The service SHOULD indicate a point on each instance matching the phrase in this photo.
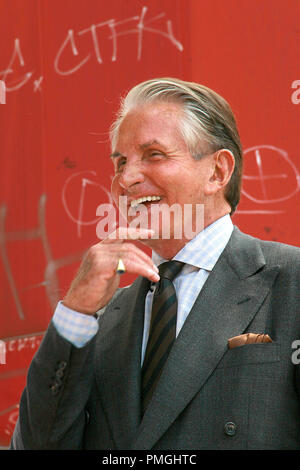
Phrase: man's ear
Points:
(223, 163)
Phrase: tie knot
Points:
(170, 269)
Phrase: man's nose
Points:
(132, 174)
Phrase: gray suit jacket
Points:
(209, 396)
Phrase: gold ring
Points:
(120, 268)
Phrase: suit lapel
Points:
(118, 361)
(228, 302)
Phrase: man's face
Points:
(151, 158)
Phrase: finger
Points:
(134, 265)
(126, 248)
(109, 263)
(129, 233)
(136, 257)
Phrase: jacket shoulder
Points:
(273, 252)
(281, 253)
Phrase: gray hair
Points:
(207, 125)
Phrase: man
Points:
(163, 364)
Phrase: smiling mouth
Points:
(144, 199)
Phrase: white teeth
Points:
(140, 200)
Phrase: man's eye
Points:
(121, 162)
(155, 153)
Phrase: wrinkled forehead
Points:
(151, 122)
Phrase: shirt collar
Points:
(204, 250)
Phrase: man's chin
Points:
(167, 224)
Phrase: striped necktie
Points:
(162, 331)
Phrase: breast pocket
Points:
(248, 354)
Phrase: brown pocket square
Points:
(248, 338)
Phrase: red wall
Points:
(65, 65)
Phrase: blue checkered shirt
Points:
(199, 255)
